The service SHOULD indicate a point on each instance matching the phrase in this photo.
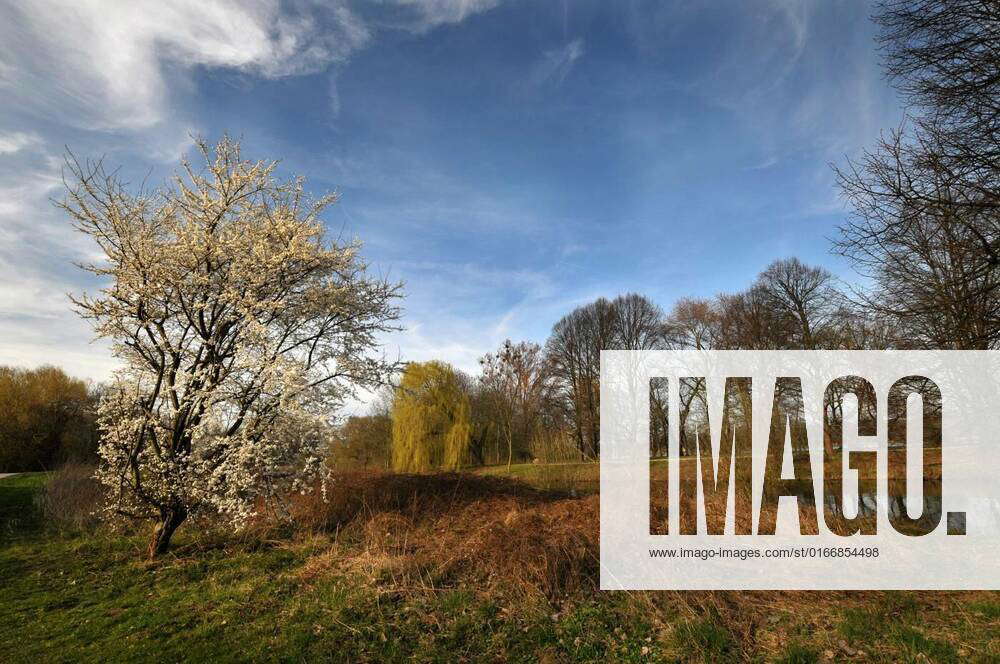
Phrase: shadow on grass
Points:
(19, 513)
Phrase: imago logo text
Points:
(799, 469)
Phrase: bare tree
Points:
(484, 433)
(638, 323)
(573, 352)
(629, 322)
(864, 329)
(805, 297)
(749, 321)
(693, 323)
(239, 328)
(943, 56)
(926, 199)
(515, 377)
(929, 250)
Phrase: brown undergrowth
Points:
(445, 530)
(411, 534)
(427, 532)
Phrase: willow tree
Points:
(239, 328)
(431, 422)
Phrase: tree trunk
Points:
(170, 520)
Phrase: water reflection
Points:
(867, 503)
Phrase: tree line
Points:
(48, 419)
(542, 401)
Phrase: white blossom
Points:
(240, 328)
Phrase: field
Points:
(454, 567)
(583, 477)
(580, 477)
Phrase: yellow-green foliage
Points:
(430, 419)
(46, 418)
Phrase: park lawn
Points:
(88, 596)
(584, 477)
(580, 476)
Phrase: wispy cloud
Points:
(458, 310)
(424, 15)
(16, 141)
(556, 64)
(36, 250)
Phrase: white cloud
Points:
(36, 250)
(457, 311)
(108, 65)
(760, 56)
(105, 65)
(81, 359)
(16, 141)
(432, 13)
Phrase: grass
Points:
(708, 638)
(575, 477)
(798, 653)
(395, 572)
(583, 477)
(17, 508)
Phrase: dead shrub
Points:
(350, 495)
(72, 497)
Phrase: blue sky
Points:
(508, 160)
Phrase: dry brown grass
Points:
(469, 530)
(362, 494)
(444, 530)
(71, 497)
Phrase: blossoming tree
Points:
(240, 328)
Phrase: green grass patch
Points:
(865, 625)
(919, 647)
(707, 639)
(861, 625)
(18, 509)
(798, 653)
(986, 608)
